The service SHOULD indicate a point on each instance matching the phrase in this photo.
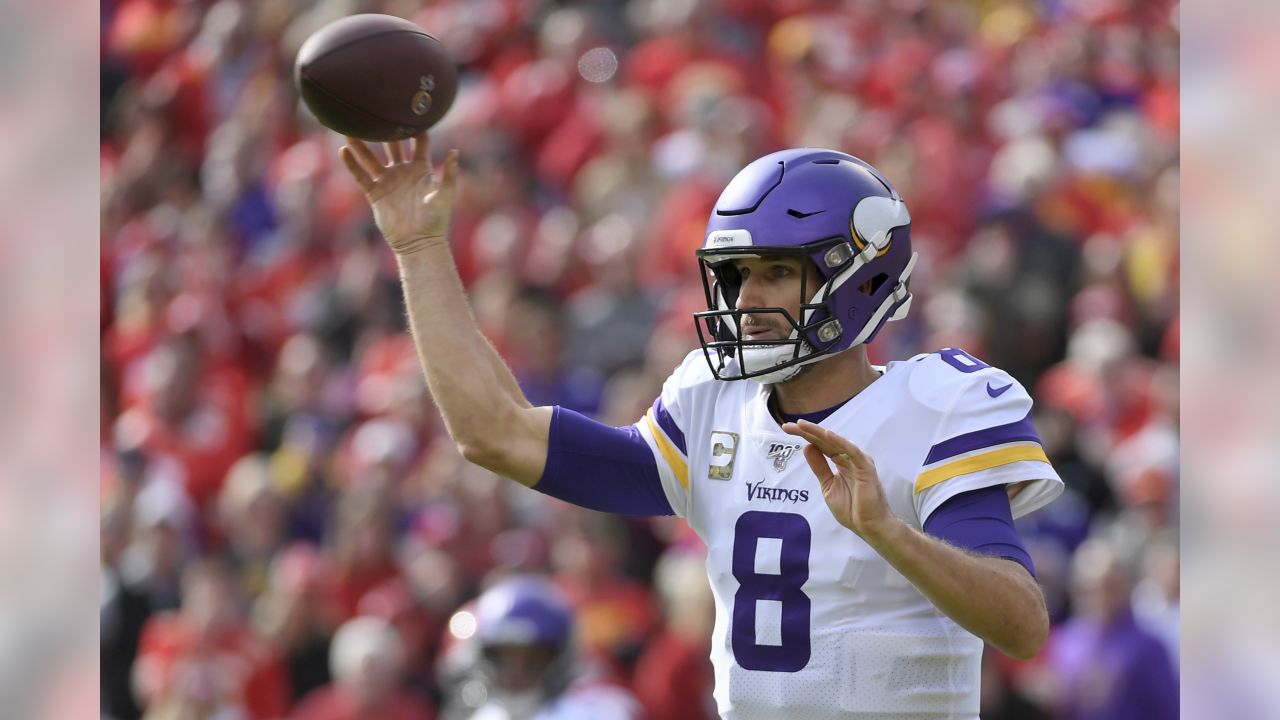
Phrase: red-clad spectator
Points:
(419, 630)
(366, 660)
(677, 230)
(252, 516)
(673, 677)
(145, 31)
(576, 138)
(205, 653)
(192, 415)
(178, 91)
(362, 548)
(615, 614)
(385, 361)
(145, 287)
(296, 615)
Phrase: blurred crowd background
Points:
(273, 469)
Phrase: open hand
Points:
(852, 490)
(411, 206)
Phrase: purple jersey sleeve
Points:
(980, 521)
(601, 467)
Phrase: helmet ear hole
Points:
(871, 286)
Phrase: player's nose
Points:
(751, 294)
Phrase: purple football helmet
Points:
(518, 612)
(828, 207)
(523, 610)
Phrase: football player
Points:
(512, 657)
(858, 519)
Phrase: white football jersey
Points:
(810, 621)
(580, 701)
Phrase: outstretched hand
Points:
(852, 490)
(411, 205)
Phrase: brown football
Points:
(375, 77)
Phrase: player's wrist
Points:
(886, 534)
(423, 262)
(404, 247)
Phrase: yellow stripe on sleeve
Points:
(668, 450)
(975, 463)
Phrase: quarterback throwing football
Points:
(858, 519)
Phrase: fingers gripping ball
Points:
(375, 77)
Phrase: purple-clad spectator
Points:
(1105, 665)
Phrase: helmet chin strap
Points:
(759, 358)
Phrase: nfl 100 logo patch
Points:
(780, 453)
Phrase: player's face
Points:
(520, 667)
(772, 282)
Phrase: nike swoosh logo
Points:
(803, 215)
(997, 392)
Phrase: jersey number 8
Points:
(791, 652)
(961, 360)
